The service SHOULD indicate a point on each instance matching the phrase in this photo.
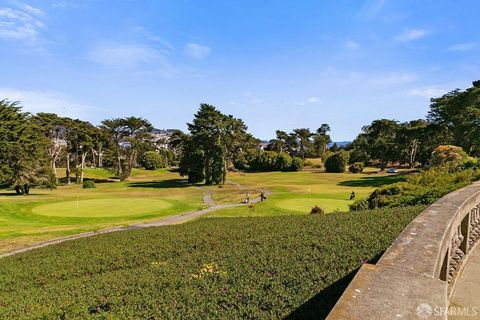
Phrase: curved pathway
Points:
(158, 223)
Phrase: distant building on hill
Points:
(263, 144)
(161, 137)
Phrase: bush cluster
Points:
(222, 268)
(268, 161)
(419, 189)
(89, 184)
(152, 160)
(356, 167)
(452, 155)
(337, 162)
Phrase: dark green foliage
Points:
(317, 210)
(265, 161)
(260, 160)
(356, 167)
(220, 138)
(337, 162)
(217, 268)
(297, 164)
(419, 189)
(23, 150)
(89, 184)
(152, 160)
(284, 161)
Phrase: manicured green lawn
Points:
(148, 195)
(47, 214)
(110, 207)
(298, 192)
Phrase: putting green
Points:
(99, 208)
(306, 204)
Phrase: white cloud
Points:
(371, 8)
(351, 45)
(313, 100)
(196, 51)
(411, 34)
(47, 101)
(466, 46)
(124, 55)
(23, 23)
(427, 92)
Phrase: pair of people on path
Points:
(247, 197)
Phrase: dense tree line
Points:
(33, 146)
(453, 119)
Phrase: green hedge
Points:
(213, 268)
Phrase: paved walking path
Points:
(158, 223)
(465, 300)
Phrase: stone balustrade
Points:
(415, 276)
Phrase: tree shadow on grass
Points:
(170, 183)
(14, 194)
(319, 306)
(105, 180)
(377, 181)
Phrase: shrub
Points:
(265, 161)
(317, 210)
(448, 154)
(151, 160)
(89, 184)
(337, 162)
(284, 161)
(356, 167)
(297, 164)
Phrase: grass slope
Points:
(222, 268)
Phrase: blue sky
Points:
(276, 64)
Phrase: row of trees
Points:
(32, 146)
(453, 119)
(302, 142)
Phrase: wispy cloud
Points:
(371, 8)
(351, 45)
(22, 23)
(124, 55)
(465, 46)
(411, 34)
(427, 92)
(313, 100)
(48, 101)
(196, 51)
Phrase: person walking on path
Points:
(352, 196)
(247, 198)
(262, 196)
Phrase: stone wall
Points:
(414, 277)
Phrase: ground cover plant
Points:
(217, 268)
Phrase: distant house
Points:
(161, 137)
(263, 144)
